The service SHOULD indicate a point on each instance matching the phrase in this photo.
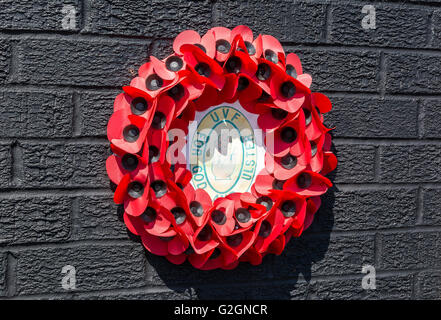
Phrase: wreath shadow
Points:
(278, 277)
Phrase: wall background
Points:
(56, 93)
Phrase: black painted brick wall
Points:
(56, 92)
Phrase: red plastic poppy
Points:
(172, 217)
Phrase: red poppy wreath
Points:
(219, 151)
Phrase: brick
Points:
(36, 114)
(366, 210)
(155, 18)
(414, 163)
(355, 163)
(413, 73)
(324, 255)
(436, 27)
(97, 219)
(96, 109)
(98, 267)
(164, 273)
(287, 21)
(250, 291)
(35, 15)
(392, 287)
(396, 26)
(367, 117)
(413, 250)
(431, 207)
(340, 70)
(139, 295)
(3, 267)
(5, 165)
(432, 118)
(429, 284)
(80, 62)
(5, 60)
(34, 220)
(64, 165)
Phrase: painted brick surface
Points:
(57, 92)
(5, 164)
(5, 60)
(419, 163)
(374, 117)
(79, 63)
(431, 206)
(64, 165)
(337, 70)
(34, 220)
(35, 15)
(97, 267)
(36, 114)
(396, 26)
(432, 118)
(307, 20)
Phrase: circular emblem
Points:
(219, 151)
(224, 155)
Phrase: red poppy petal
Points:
(185, 37)
(322, 102)
(176, 259)
(121, 189)
(154, 244)
(294, 60)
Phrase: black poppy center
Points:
(235, 240)
(153, 82)
(265, 201)
(243, 83)
(215, 254)
(203, 69)
(223, 46)
(201, 47)
(243, 215)
(288, 89)
(304, 180)
(308, 116)
(149, 215)
(313, 148)
(278, 114)
(129, 162)
(250, 48)
(177, 92)
(159, 120)
(270, 55)
(131, 133)
(263, 71)
(196, 209)
(291, 71)
(218, 217)
(233, 65)
(135, 189)
(159, 187)
(138, 106)
(174, 63)
(288, 134)
(265, 229)
(153, 154)
(278, 184)
(205, 234)
(288, 161)
(179, 215)
(263, 97)
(288, 208)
